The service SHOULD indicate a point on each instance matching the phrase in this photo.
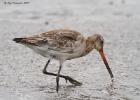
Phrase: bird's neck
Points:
(89, 46)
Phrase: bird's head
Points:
(98, 43)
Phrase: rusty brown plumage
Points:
(56, 37)
(64, 45)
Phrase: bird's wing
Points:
(63, 40)
(57, 40)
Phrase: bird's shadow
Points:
(51, 88)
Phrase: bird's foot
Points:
(112, 80)
(71, 80)
(57, 84)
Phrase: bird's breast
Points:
(67, 53)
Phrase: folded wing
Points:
(57, 40)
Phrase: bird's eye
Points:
(102, 42)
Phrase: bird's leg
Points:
(71, 80)
(44, 70)
(57, 77)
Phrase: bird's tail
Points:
(27, 41)
(18, 40)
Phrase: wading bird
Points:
(64, 45)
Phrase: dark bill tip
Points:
(106, 63)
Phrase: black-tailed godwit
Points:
(64, 45)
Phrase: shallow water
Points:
(21, 76)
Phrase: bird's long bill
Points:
(105, 62)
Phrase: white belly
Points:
(44, 51)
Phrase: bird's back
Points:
(56, 42)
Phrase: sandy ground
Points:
(21, 76)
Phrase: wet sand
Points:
(21, 76)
